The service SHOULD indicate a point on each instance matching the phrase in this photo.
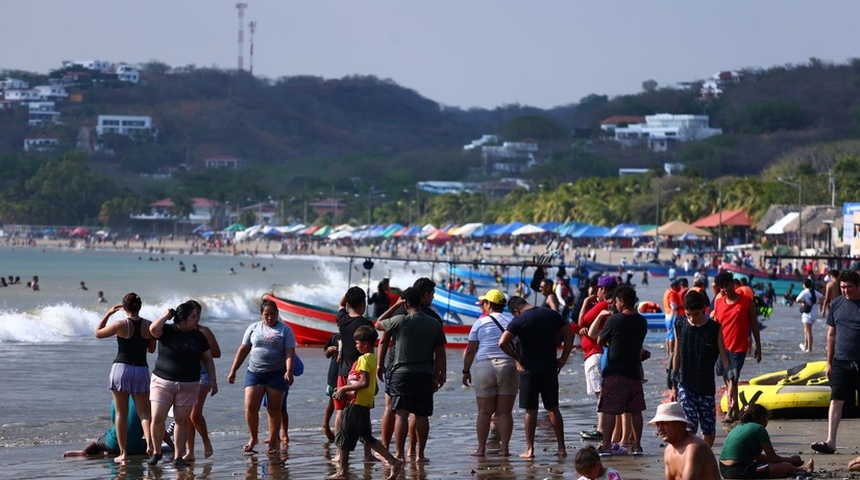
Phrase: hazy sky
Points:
(466, 53)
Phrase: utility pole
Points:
(252, 27)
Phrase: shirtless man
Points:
(686, 456)
(831, 291)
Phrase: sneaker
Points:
(803, 348)
(603, 453)
(618, 449)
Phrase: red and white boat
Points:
(313, 325)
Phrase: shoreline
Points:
(451, 439)
(257, 247)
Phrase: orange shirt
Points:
(746, 291)
(670, 298)
(734, 320)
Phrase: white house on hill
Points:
(662, 130)
(125, 125)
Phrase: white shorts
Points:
(593, 377)
(807, 318)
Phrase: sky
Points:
(460, 53)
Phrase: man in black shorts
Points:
(843, 354)
(417, 371)
(538, 330)
(621, 390)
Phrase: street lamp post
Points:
(799, 186)
(657, 226)
(720, 206)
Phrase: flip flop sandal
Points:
(822, 447)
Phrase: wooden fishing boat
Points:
(314, 325)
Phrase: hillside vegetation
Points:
(304, 138)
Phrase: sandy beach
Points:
(306, 459)
(612, 256)
(452, 435)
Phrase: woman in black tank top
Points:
(129, 372)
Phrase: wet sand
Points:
(307, 457)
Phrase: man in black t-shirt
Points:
(621, 389)
(419, 428)
(538, 330)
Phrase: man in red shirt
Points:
(592, 308)
(737, 317)
(672, 302)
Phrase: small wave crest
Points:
(65, 322)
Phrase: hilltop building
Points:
(126, 125)
(660, 132)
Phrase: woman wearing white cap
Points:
(686, 455)
(496, 380)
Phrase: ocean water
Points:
(54, 395)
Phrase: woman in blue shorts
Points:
(270, 347)
(129, 374)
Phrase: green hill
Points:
(305, 137)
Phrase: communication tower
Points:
(240, 8)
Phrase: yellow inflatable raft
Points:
(802, 391)
(810, 373)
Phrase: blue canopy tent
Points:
(508, 229)
(625, 233)
(566, 229)
(590, 231)
(625, 230)
(551, 227)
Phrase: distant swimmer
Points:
(35, 283)
(101, 297)
(83, 286)
(232, 272)
(181, 266)
(193, 268)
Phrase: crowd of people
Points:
(515, 349)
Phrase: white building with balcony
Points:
(510, 157)
(10, 83)
(40, 144)
(42, 113)
(22, 95)
(127, 73)
(51, 92)
(223, 162)
(160, 218)
(99, 65)
(662, 130)
(125, 125)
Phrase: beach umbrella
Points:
(236, 227)
(323, 231)
(528, 230)
(439, 237)
(80, 232)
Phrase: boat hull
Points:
(313, 325)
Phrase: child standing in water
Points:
(358, 394)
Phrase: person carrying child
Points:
(359, 394)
